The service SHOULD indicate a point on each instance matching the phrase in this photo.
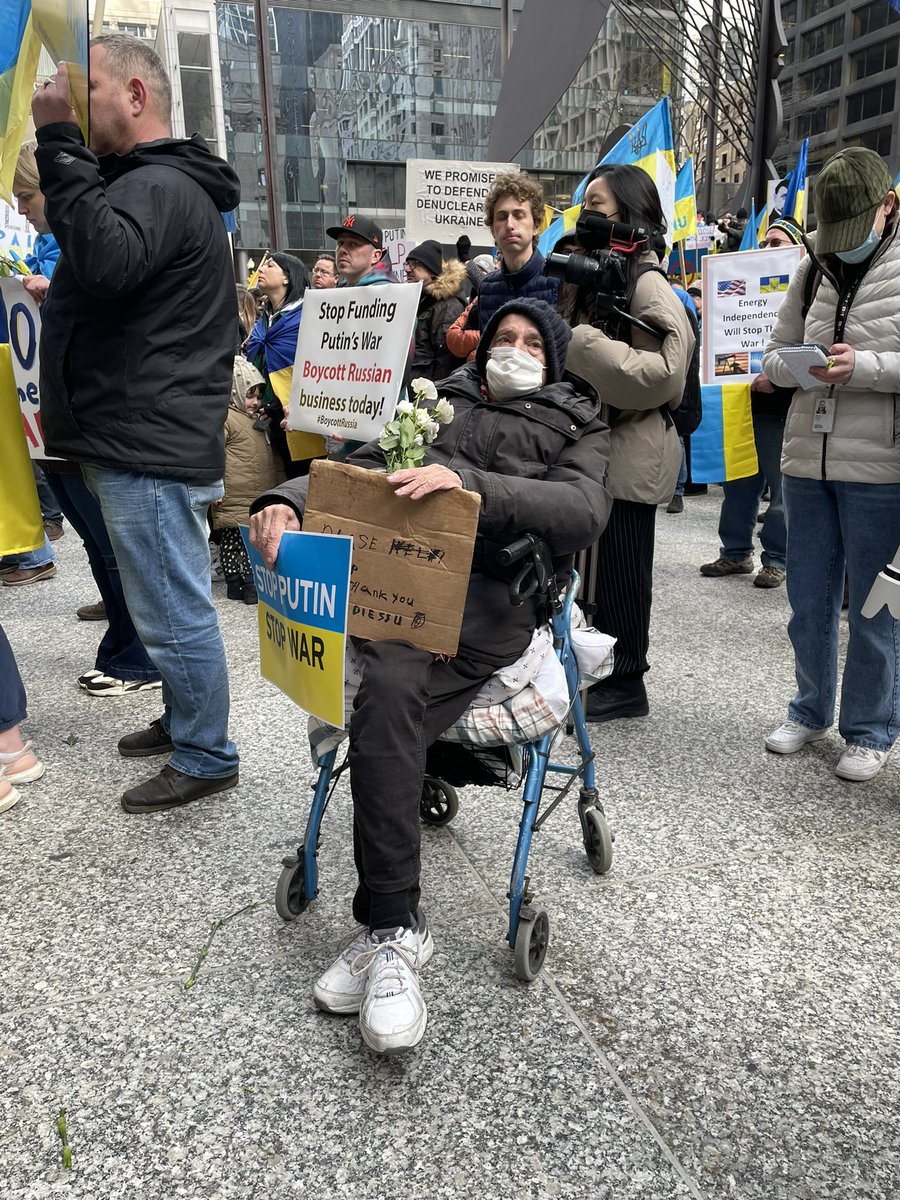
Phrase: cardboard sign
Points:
(22, 315)
(397, 245)
(742, 293)
(351, 357)
(303, 620)
(445, 199)
(411, 559)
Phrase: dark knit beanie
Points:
(429, 254)
(478, 267)
(553, 329)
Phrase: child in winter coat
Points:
(249, 470)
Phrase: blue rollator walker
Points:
(529, 924)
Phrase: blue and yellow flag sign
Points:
(722, 446)
(303, 619)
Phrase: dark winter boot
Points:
(235, 587)
(248, 594)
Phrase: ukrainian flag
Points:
(795, 200)
(20, 513)
(649, 145)
(685, 222)
(750, 240)
(722, 446)
(773, 283)
(19, 52)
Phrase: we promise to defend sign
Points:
(445, 200)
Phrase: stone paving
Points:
(718, 1017)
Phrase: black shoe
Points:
(146, 742)
(695, 489)
(675, 505)
(616, 698)
(172, 789)
(249, 595)
(234, 589)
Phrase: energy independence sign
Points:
(303, 619)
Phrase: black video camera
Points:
(604, 269)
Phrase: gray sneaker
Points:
(769, 577)
(728, 566)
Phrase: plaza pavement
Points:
(718, 1017)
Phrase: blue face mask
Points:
(861, 253)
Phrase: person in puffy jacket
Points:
(440, 304)
(528, 438)
(249, 470)
(841, 462)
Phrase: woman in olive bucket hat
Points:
(841, 462)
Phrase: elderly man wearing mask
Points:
(528, 438)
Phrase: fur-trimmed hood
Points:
(451, 280)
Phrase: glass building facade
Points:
(356, 94)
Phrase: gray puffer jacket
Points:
(864, 443)
(539, 464)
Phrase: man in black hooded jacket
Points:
(136, 359)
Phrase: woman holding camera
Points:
(640, 377)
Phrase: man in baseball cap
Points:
(360, 247)
(854, 198)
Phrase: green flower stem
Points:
(214, 928)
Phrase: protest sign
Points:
(22, 316)
(351, 357)
(411, 560)
(16, 235)
(397, 245)
(742, 294)
(445, 199)
(303, 619)
(63, 27)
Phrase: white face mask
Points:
(512, 372)
(860, 253)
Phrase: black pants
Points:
(233, 554)
(405, 701)
(12, 691)
(625, 584)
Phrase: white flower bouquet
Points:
(414, 426)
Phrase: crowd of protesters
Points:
(165, 431)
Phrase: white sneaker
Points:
(10, 796)
(108, 685)
(393, 1014)
(791, 736)
(342, 987)
(859, 763)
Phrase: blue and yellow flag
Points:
(749, 240)
(20, 513)
(649, 145)
(19, 53)
(722, 446)
(685, 222)
(795, 200)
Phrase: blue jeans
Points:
(121, 652)
(12, 691)
(682, 471)
(834, 525)
(32, 558)
(740, 508)
(157, 527)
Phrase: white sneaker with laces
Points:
(108, 685)
(393, 1014)
(342, 987)
(791, 737)
(859, 763)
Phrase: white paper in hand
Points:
(798, 360)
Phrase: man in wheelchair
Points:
(527, 437)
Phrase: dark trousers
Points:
(405, 701)
(121, 653)
(12, 690)
(50, 509)
(624, 585)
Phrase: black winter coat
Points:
(539, 464)
(441, 303)
(137, 342)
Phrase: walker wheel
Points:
(598, 840)
(532, 940)
(290, 891)
(439, 803)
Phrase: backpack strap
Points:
(810, 287)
